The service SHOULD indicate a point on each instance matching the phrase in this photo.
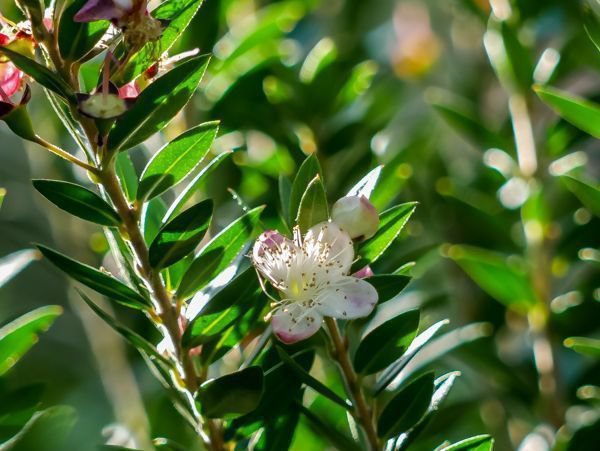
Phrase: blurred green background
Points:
(407, 84)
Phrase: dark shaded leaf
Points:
(388, 285)
(309, 169)
(77, 39)
(313, 207)
(588, 195)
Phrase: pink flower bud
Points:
(356, 216)
(364, 272)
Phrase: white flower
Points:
(312, 276)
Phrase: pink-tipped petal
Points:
(348, 299)
(102, 10)
(364, 272)
(10, 78)
(129, 91)
(295, 323)
(268, 241)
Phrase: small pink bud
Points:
(356, 216)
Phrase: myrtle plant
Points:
(279, 304)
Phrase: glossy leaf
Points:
(39, 73)
(592, 26)
(313, 205)
(177, 14)
(77, 39)
(477, 443)
(158, 104)
(367, 184)
(17, 337)
(310, 381)
(96, 280)
(231, 395)
(588, 195)
(13, 264)
(507, 283)
(388, 285)
(223, 309)
(580, 112)
(309, 169)
(181, 235)
(386, 342)
(127, 175)
(193, 187)
(176, 160)
(585, 346)
(406, 408)
(218, 253)
(392, 222)
(78, 201)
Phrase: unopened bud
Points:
(268, 241)
(356, 216)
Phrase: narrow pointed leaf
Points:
(176, 160)
(589, 195)
(387, 342)
(39, 73)
(17, 337)
(232, 395)
(223, 309)
(388, 285)
(392, 222)
(477, 443)
(406, 408)
(96, 280)
(195, 185)
(127, 175)
(313, 205)
(309, 169)
(218, 254)
(180, 236)
(13, 264)
(367, 184)
(580, 112)
(313, 383)
(78, 201)
(158, 104)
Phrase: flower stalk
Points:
(363, 413)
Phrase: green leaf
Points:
(17, 337)
(325, 429)
(136, 340)
(580, 112)
(417, 344)
(585, 346)
(78, 201)
(17, 407)
(313, 205)
(309, 169)
(153, 213)
(13, 264)
(158, 104)
(218, 254)
(592, 26)
(77, 39)
(313, 383)
(391, 223)
(41, 74)
(406, 408)
(503, 280)
(231, 395)
(367, 184)
(47, 430)
(181, 235)
(588, 195)
(193, 187)
(96, 280)
(477, 443)
(518, 57)
(127, 175)
(178, 14)
(176, 160)
(388, 285)
(285, 191)
(386, 342)
(223, 309)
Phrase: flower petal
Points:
(329, 240)
(294, 323)
(348, 298)
(10, 78)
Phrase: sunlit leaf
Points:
(367, 184)
(313, 207)
(13, 264)
(309, 169)
(477, 443)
